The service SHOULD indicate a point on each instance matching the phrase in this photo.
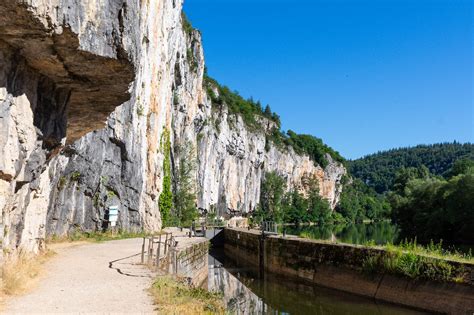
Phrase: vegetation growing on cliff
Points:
(305, 144)
(248, 109)
(187, 26)
(379, 170)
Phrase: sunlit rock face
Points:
(68, 68)
(87, 90)
(232, 158)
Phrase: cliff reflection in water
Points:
(245, 293)
(380, 232)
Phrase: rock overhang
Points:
(96, 80)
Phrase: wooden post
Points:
(143, 251)
(152, 248)
(150, 240)
(166, 243)
(158, 252)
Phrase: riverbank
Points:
(245, 292)
(344, 267)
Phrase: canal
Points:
(380, 233)
(245, 292)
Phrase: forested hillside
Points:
(378, 170)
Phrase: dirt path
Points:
(93, 278)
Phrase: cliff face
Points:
(232, 158)
(66, 67)
(87, 89)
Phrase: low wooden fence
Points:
(156, 248)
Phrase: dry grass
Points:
(95, 236)
(176, 297)
(20, 273)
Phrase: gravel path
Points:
(102, 278)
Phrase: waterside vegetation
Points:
(175, 296)
(430, 207)
(415, 261)
(358, 203)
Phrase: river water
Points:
(380, 232)
(246, 293)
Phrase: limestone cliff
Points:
(87, 89)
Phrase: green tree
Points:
(461, 166)
(272, 191)
(359, 202)
(295, 208)
(166, 198)
(319, 210)
(268, 112)
(185, 195)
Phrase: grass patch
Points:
(174, 296)
(415, 261)
(95, 236)
(19, 273)
(432, 250)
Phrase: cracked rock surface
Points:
(87, 91)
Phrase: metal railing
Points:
(269, 227)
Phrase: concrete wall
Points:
(339, 267)
(190, 261)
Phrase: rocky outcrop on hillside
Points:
(69, 67)
(87, 91)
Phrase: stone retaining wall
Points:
(191, 261)
(340, 266)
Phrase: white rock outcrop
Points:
(87, 90)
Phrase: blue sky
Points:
(362, 75)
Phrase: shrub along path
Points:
(91, 278)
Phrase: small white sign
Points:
(113, 215)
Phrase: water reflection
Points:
(379, 232)
(245, 293)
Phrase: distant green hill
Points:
(378, 170)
